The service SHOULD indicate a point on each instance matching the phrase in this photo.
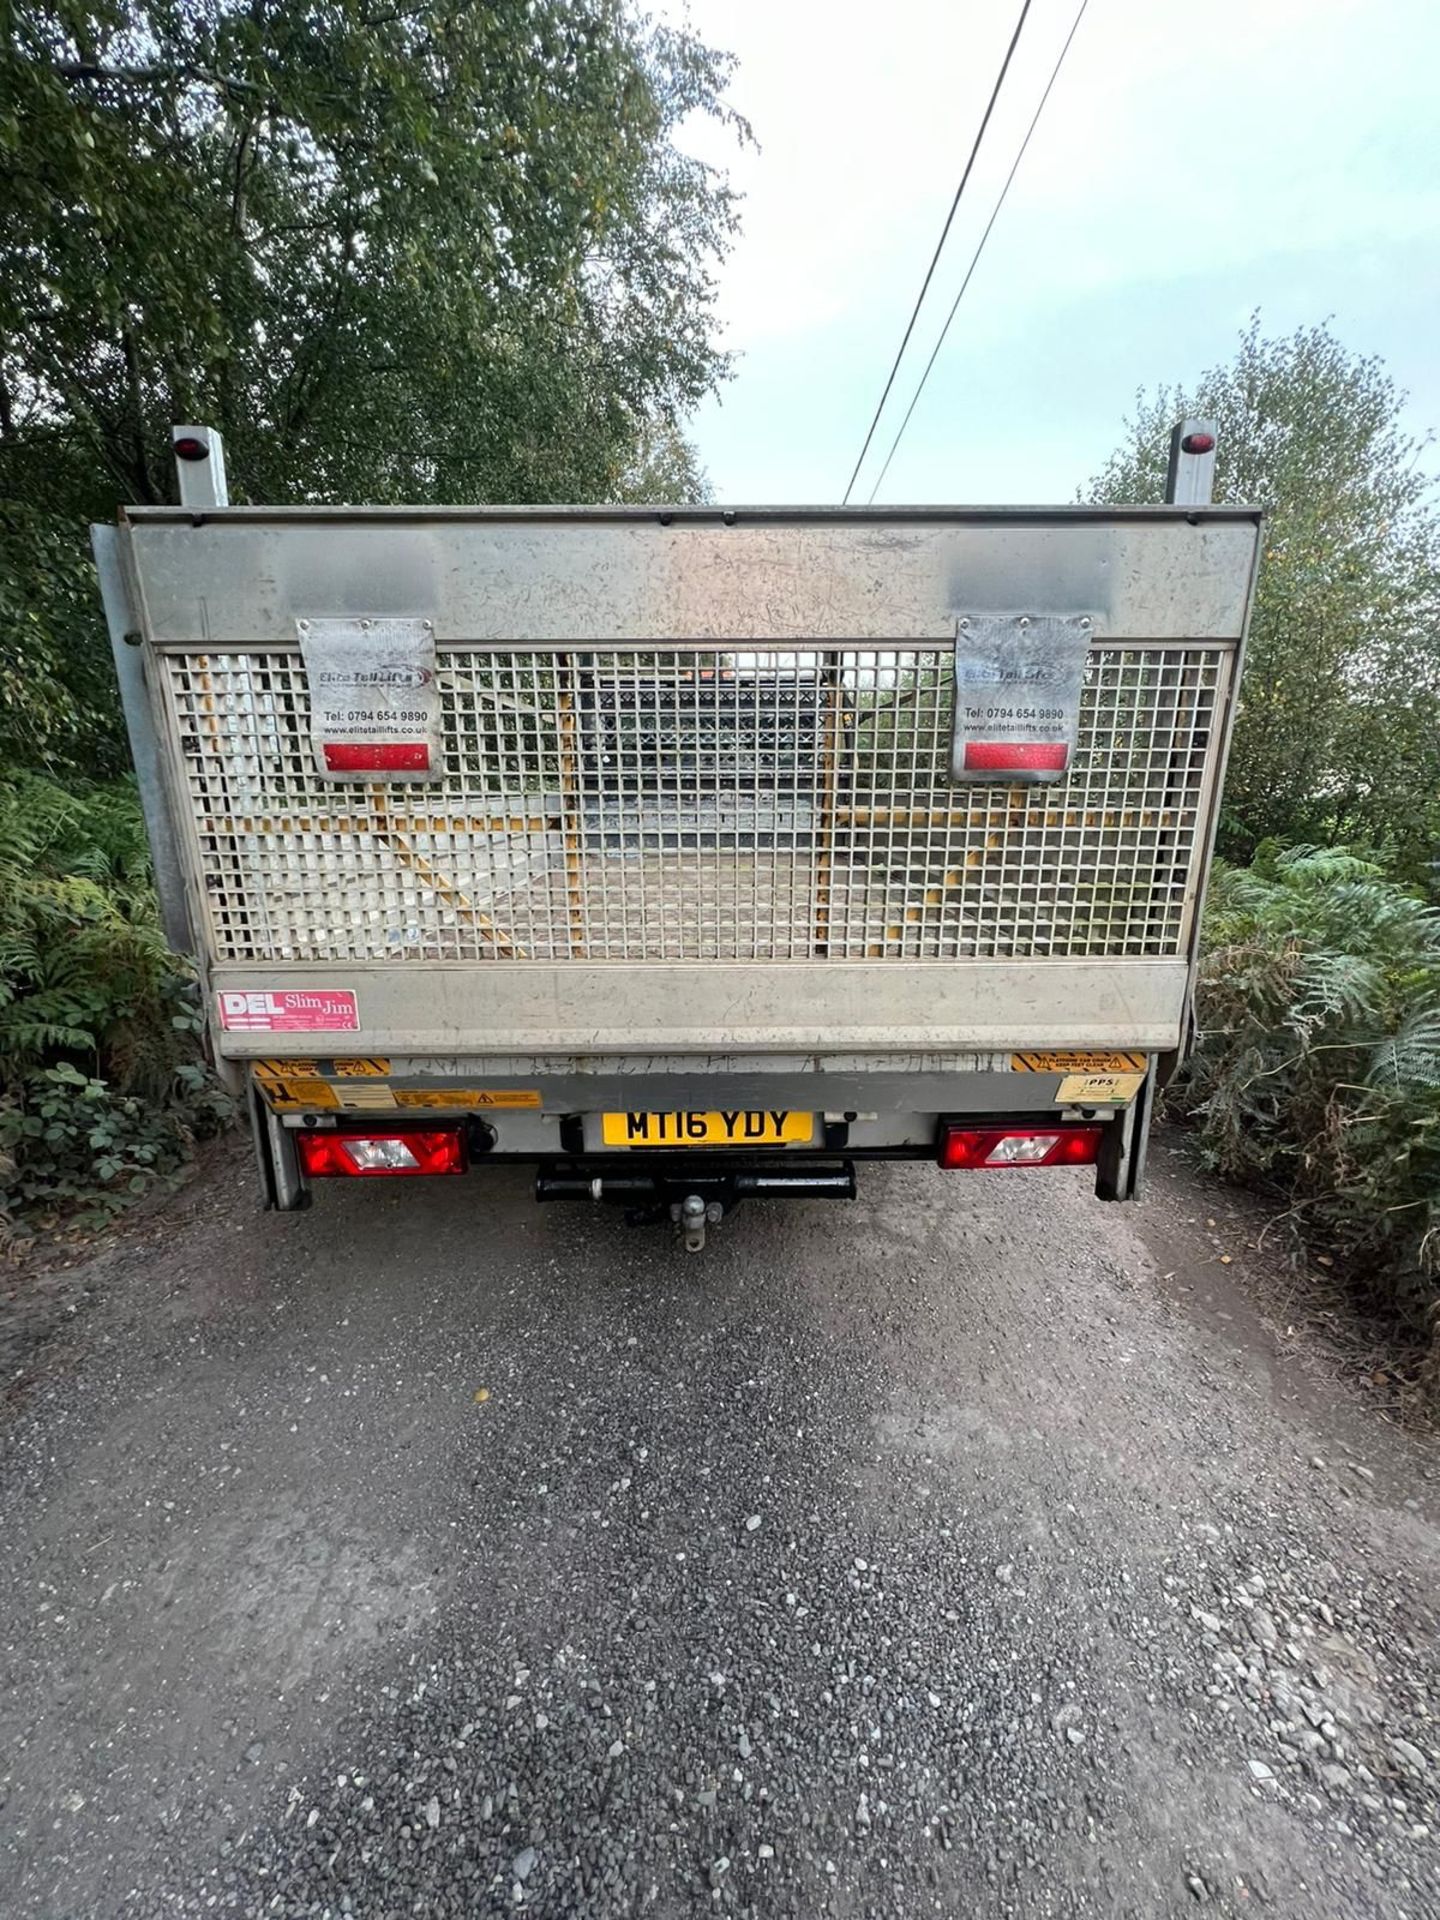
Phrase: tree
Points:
(665, 471)
(439, 251)
(434, 250)
(1338, 734)
(58, 702)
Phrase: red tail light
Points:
(1019, 1146)
(372, 1153)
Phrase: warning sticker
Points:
(293, 1093)
(473, 1098)
(1099, 1089)
(374, 703)
(316, 1010)
(1077, 1060)
(1018, 679)
(364, 1096)
(298, 1086)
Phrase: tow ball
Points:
(692, 1216)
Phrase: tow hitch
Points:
(693, 1195)
(692, 1216)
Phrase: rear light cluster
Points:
(1019, 1146)
(371, 1153)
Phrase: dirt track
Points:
(965, 1550)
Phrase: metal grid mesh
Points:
(683, 806)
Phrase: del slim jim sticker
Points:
(315, 1010)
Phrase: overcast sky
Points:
(1197, 159)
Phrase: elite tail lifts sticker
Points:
(1018, 679)
(374, 703)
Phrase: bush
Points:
(59, 705)
(1337, 736)
(102, 1087)
(1317, 1069)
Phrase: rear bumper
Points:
(656, 1178)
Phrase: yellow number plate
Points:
(734, 1129)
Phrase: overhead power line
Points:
(940, 245)
(980, 248)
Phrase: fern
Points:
(1409, 1057)
(1333, 985)
(96, 1029)
(1317, 1069)
(1318, 863)
(32, 1036)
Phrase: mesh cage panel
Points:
(676, 805)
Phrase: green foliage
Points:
(67, 1140)
(665, 471)
(1317, 1069)
(101, 1086)
(432, 252)
(59, 706)
(1338, 735)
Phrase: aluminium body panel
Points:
(574, 1006)
(162, 829)
(241, 578)
(636, 948)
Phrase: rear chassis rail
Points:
(652, 1193)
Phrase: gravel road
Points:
(971, 1549)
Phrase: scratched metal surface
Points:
(241, 580)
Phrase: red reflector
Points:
(1198, 443)
(1019, 1146)
(189, 448)
(377, 1155)
(377, 759)
(1024, 756)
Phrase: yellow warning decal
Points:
(1078, 1060)
(1099, 1089)
(471, 1098)
(295, 1086)
(293, 1092)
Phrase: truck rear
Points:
(690, 855)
